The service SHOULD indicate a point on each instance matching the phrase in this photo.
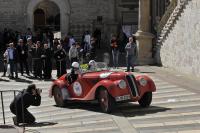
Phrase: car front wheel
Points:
(58, 97)
(146, 99)
(106, 101)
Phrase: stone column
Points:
(143, 35)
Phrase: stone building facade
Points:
(75, 16)
(180, 49)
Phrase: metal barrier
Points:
(2, 103)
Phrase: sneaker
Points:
(15, 121)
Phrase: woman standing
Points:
(132, 53)
(115, 50)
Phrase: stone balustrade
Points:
(169, 18)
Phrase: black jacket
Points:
(28, 100)
(60, 55)
(36, 53)
(22, 52)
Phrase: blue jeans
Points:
(115, 55)
(13, 68)
(130, 62)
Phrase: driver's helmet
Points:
(92, 65)
(75, 67)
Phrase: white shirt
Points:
(71, 41)
(87, 39)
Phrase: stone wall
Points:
(13, 13)
(180, 50)
(88, 10)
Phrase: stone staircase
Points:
(169, 19)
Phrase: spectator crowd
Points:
(38, 54)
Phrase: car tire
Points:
(60, 102)
(107, 103)
(146, 99)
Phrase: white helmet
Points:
(75, 65)
(92, 65)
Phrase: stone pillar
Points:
(143, 35)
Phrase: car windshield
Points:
(100, 66)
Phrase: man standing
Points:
(47, 63)
(23, 55)
(37, 61)
(115, 50)
(30, 45)
(60, 57)
(73, 53)
(12, 59)
(132, 53)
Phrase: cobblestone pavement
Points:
(175, 109)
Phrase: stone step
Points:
(82, 130)
(154, 108)
(159, 116)
(168, 128)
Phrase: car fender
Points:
(107, 84)
(60, 83)
(149, 87)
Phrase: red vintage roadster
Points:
(106, 86)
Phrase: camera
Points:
(39, 90)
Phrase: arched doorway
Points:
(45, 15)
(39, 18)
(57, 12)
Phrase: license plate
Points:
(122, 98)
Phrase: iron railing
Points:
(3, 108)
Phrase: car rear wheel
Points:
(106, 102)
(58, 97)
(145, 101)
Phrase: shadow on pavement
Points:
(132, 110)
(127, 109)
(40, 124)
(23, 80)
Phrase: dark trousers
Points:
(73, 60)
(28, 117)
(61, 68)
(22, 64)
(4, 68)
(13, 68)
(115, 55)
(130, 62)
(92, 55)
(47, 68)
(37, 67)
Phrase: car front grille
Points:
(132, 85)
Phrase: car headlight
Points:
(122, 84)
(143, 82)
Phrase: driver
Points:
(75, 70)
(92, 65)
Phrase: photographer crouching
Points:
(29, 96)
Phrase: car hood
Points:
(104, 75)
